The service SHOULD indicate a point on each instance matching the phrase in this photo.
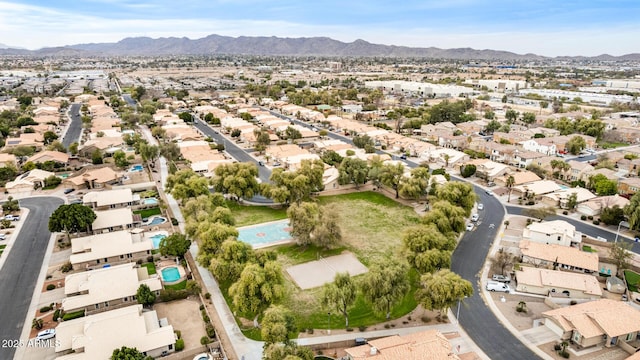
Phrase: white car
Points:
(480, 206)
(475, 217)
(469, 227)
(46, 334)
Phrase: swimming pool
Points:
(154, 220)
(155, 239)
(150, 201)
(170, 274)
(266, 234)
(136, 168)
(564, 187)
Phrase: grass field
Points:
(250, 215)
(633, 279)
(145, 213)
(151, 268)
(179, 286)
(372, 227)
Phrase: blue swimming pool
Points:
(265, 234)
(150, 201)
(154, 220)
(170, 274)
(135, 168)
(156, 240)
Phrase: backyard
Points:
(633, 280)
(145, 213)
(371, 227)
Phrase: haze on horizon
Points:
(543, 27)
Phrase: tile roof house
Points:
(628, 186)
(28, 181)
(546, 282)
(44, 156)
(557, 232)
(601, 322)
(537, 187)
(519, 177)
(426, 345)
(114, 220)
(95, 337)
(111, 248)
(563, 257)
(110, 199)
(561, 198)
(594, 206)
(107, 288)
(96, 178)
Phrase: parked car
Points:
(46, 334)
(12, 217)
(403, 156)
(498, 286)
(475, 217)
(469, 227)
(480, 206)
(489, 192)
(3, 236)
(67, 191)
(501, 278)
(260, 163)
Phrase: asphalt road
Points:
(22, 268)
(467, 260)
(130, 100)
(75, 127)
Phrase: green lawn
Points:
(2, 247)
(611, 145)
(179, 286)
(145, 213)
(249, 215)
(587, 248)
(151, 268)
(633, 280)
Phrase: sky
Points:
(543, 27)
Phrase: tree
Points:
(149, 153)
(621, 255)
(492, 126)
(211, 236)
(11, 205)
(294, 186)
(49, 137)
(174, 245)
(96, 157)
(385, 285)
(632, 211)
(502, 259)
(415, 186)
(292, 133)
(458, 193)
(37, 324)
(442, 289)
(331, 157)
(303, 219)
(353, 170)
(447, 217)
(576, 144)
(262, 140)
(257, 287)
(73, 148)
(120, 159)
(52, 181)
(231, 260)
(511, 181)
(145, 296)
(602, 185)
(572, 201)
(126, 353)
(56, 146)
(287, 351)
(390, 175)
(186, 117)
(467, 170)
(511, 115)
(340, 295)
(277, 323)
(71, 218)
(612, 215)
(528, 118)
(238, 179)
(361, 141)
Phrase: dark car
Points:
(260, 163)
(67, 191)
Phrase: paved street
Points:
(22, 268)
(74, 128)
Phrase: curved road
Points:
(22, 268)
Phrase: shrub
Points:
(596, 222)
(211, 331)
(50, 287)
(45, 309)
(73, 315)
(349, 329)
(425, 319)
(583, 217)
(207, 296)
(66, 267)
(309, 331)
(170, 295)
(362, 328)
(180, 345)
(387, 326)
(557, 347)
(204, 340)
(150, 259)
(178, 333)
(565, 212)
(174, 222)
(56, 315)
(201, 307)
(590, 217)
(565, 354)
(531, 202)
(573, 302)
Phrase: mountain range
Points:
(277, 46)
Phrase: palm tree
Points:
(510, 182)
(555, 164)
(446, 160)
(564, 167)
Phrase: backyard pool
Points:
(267, 234)
(136, 168)
(154, 220)
(150, 201)
(155, 239)
(170, 274)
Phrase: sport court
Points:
(322, 271)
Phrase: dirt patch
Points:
(184, 315)
(520, 320)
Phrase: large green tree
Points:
(126, 353)
(71, 218)
(231, 259)
(632, 211)
(145, 296)
(415, 186)
(576, 144)
(340, 295)
(258, 287)
(288, 351)
(238, 179)
(303, 219)
(353, 171)
(391, 176)
(277, 323)
(458, 193)
(442, 289)
(447, 217)
(211, 235)
(294, 186)
(174, 245)
(385, 285)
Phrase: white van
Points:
(498, 286)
